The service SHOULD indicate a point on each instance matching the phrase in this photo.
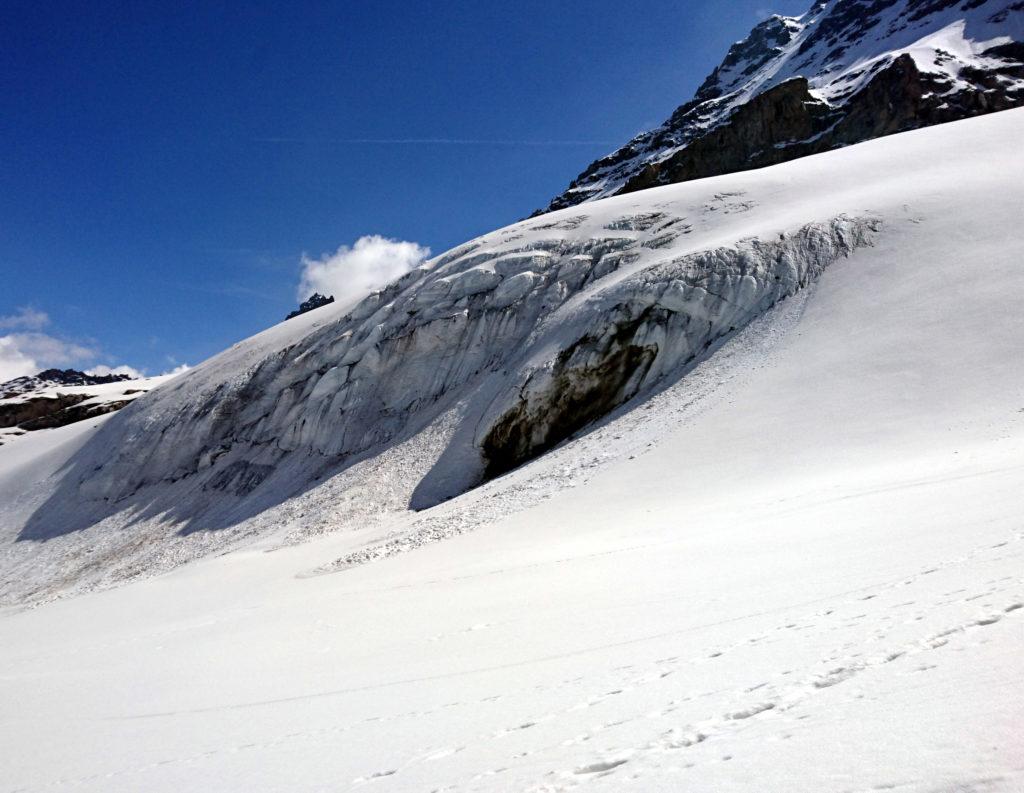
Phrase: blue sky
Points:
(166, 166)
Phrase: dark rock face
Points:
(42, 413)
(787, 122)
(757, 134)
(579, 395)
(838, 75)
(70, 413)
(315, 301)
(75, 377)
(36, 410)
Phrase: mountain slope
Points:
(844, 72)
(798, 568)
(485, 357)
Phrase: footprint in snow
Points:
(601, 766)
(375, 775)
(677, 738)
(834, 677)
(753, 710)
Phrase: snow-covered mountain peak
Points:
(766, 42)
(844, 72)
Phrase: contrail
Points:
(440, 141)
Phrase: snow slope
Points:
(798, 568)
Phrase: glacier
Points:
(790, 561)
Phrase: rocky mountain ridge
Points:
(58, 397)
(844, 72)
(56, 377)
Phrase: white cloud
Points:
(28, 353)
(179, 369)
(26, 318)
(27, 350)
(14, 362)
(352, 273)
(52, 351)
(102, 370)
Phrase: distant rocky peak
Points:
(56, 377)
(76, 377)
(315, 301)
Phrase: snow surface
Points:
(798, 568)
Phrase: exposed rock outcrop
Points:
(30, 413)
(72, 411)
(316, 300)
